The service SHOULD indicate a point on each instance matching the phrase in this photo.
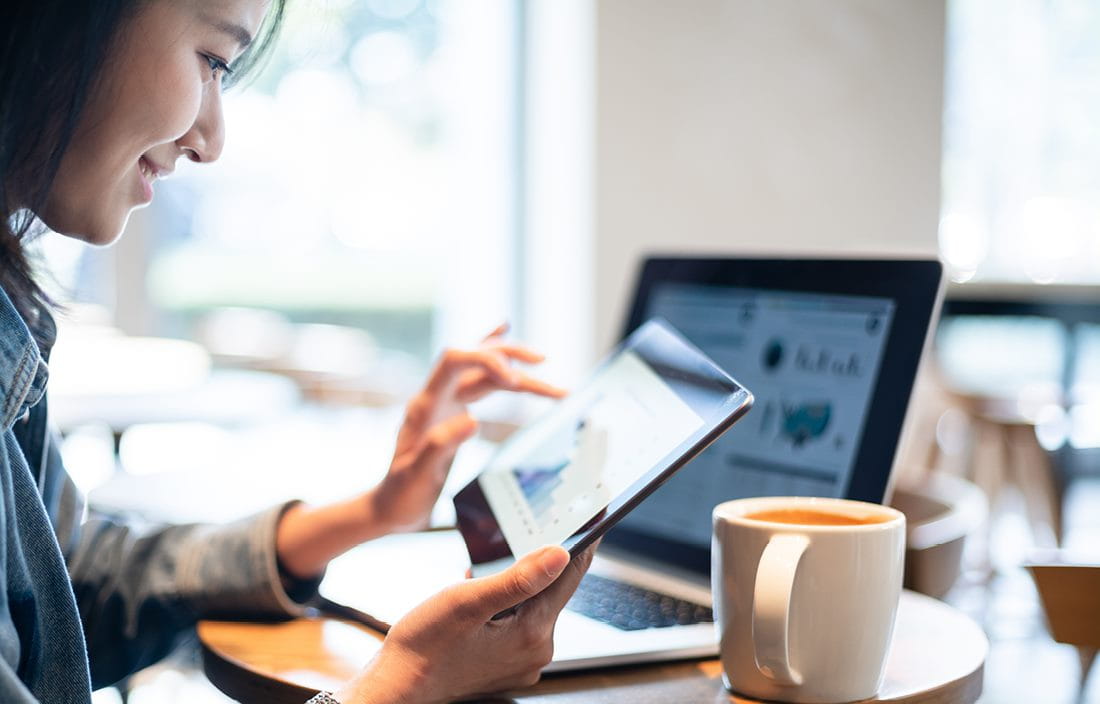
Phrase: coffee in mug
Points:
(805, 594)
(814, 518)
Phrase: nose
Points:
(203, 142)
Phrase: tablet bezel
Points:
(914, 285)
(651, 342)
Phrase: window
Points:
(368, 179)
(1021, 172)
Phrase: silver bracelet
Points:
(323, 697)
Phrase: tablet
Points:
(649, 407)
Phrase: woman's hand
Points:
(450, 648)
(437, 422)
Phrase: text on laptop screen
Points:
(811, 360)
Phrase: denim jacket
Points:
(86, 600)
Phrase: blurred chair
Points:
(941, 508)
(1005, 451)
(935, 430)
(990, 440)
(244, 337)
(1070, 594)
(331, 364)
(941, 511)
(101, 375)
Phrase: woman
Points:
(98, 99)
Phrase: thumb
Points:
(530, 575)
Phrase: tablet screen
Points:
(638, 418)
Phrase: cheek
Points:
(158, 75)
(151, 101)
(96, 186)
(166, 102)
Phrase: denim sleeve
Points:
(139, 590)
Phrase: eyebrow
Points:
(232, 29)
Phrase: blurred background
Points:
(408, 173)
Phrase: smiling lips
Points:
(149, 171)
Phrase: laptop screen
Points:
(811, 361)
(829, 348)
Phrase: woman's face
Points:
(159, 98)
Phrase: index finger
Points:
(454, 362)
(478, 384)
(537, 386)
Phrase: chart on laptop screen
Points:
(811, 360)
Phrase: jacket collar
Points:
(23, 370)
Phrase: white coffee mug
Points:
(805, 594)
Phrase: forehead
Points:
(239, 18)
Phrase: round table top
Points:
(937, 657)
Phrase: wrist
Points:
(308, 537)
(383, 682)
(290, 535)
(372, 505)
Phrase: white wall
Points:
(762, 126)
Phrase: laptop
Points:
(830, 348)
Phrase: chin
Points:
(98, 231)
(102, 239)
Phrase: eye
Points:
(217, 66)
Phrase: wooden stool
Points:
(1069, 593)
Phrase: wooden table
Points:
(937, 657)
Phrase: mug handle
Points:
(771, 607)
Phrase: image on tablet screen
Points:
(551, 478)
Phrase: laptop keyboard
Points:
(631, 608)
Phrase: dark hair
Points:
(51, 53)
